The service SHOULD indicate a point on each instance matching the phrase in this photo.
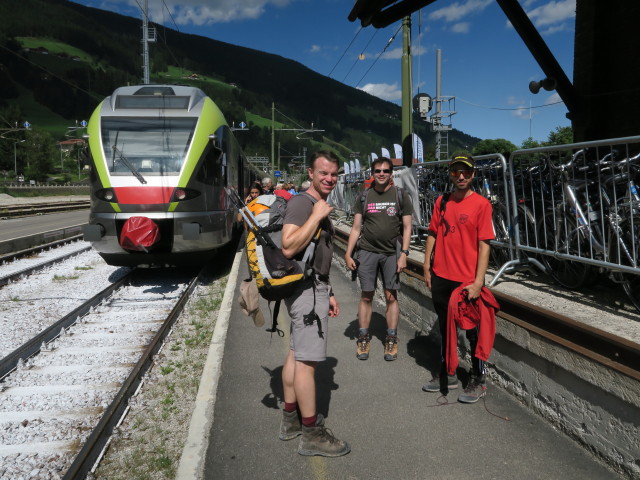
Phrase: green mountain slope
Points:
(90, 52)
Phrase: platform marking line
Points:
(192, 461)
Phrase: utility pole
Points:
(148, 36)
(407, 118)
(442, 130)
(273, 136)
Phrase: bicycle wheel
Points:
(561, 235)
(500, 255)
(631, 236)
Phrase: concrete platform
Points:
(395, 429)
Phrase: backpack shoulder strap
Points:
(400, 200)
(364, 195)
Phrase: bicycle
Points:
(594, 224)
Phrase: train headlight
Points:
(182, 194)
(107, 194)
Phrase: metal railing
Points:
(563, 209)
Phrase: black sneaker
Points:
(475, 390)
(434, 384)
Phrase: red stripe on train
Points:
(143, 195)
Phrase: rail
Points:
(14, 211)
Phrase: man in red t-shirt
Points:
(457, 253)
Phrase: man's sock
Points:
(310, 421)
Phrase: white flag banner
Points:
(417, 148)
(405, 178)
(357, 162)
(347, 170)
(385, 152)
(398, 150)
(373, 157)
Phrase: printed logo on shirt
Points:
(463, 218)
(380, 207)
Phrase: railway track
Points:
(611, 350)
(59, 406)
(16, 211)
(39, 265)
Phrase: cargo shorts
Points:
(309, 344)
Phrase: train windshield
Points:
(146, 146)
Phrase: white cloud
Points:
(315, 49)
(456, 11)
(553, 12)
(553, 98)
(514, 100)
(554, 15)
(523, 112)
(384, 91)
(394, 54)
(200, 12)
(462, 27)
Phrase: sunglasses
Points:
(379, 170)
(465, 173)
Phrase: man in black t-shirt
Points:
(309, 308)
(382, 222)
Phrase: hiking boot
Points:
(363, 344)
(390, 348)
(434, 384)
(319, 440)
(290, 426)
(476, 389)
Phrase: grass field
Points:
(55, 47)
(180, 75)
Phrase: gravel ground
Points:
(149, 442)
(29, 305)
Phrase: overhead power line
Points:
(345, 51)
(361, 54)
(379, 55)
(506, 109)
(51, 73)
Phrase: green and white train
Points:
(163, 163)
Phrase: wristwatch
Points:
(406, 252)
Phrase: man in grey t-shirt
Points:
(309, 308)
(382, 222)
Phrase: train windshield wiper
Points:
(129, 165)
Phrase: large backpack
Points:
(277, 277)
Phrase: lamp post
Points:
(15, 156)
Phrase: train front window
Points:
(146, 146)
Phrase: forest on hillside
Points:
(350, 119)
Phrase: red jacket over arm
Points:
(467, 315)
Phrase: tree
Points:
(560, 136)
(38, 155)
(498, 145)
(530, 143)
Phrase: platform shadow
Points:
(377, 328)
(325, 384)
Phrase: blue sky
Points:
(485, 64)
